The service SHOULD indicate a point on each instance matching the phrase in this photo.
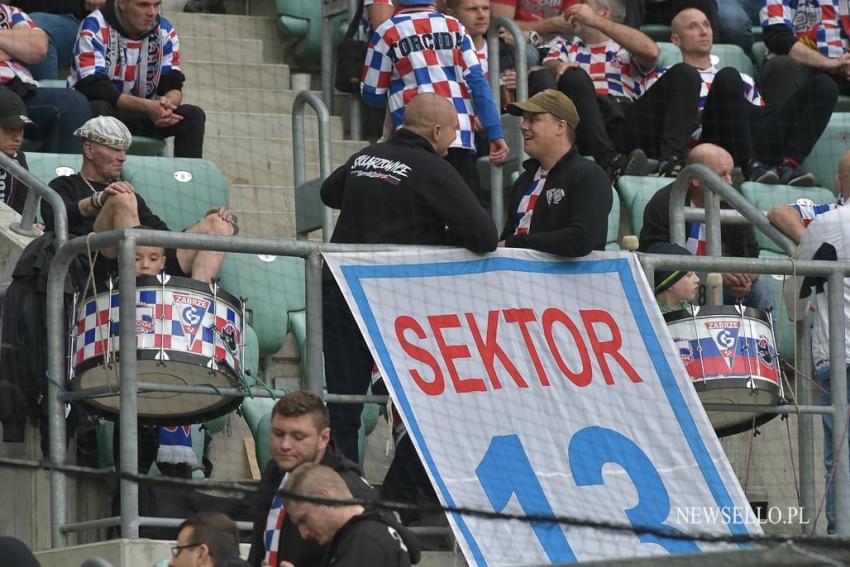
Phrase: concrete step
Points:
(220, 48)
(262, 198)
(265, 125)
(266, 224)
(219, 77)
(266, 172)
(232, 26)
(249, 148)
(242, 99)
(170, 8)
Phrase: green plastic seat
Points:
(636, 193)
(301, 23)
(273, 286)
(47, 167)
(823, 160)
(611, 242)
(728, 56)
(765, 197)
(658, 32)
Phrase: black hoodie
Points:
(373, 538)
(100, 87)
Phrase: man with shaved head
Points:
(397, 192)
(737, 239)
(767, 139)
(353, 535)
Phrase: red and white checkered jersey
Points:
(100, 49)
(611, 68)
(422, 51)
(820, 24)
(13, 18)
(530, 10)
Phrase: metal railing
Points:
(307, 199)
(37, 188)
(496, 179)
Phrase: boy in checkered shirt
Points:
(603, 71)
(421, 50)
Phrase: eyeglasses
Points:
(175, 550)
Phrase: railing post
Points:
(299, 151)
(315, 365)
(805, 422)
(37, 188)
(129, 405)
(838, 387)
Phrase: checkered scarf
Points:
(528, 201)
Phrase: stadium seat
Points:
(636, 193)
(301, 23)
(273, 287)
(611, 242)
(835, 140)
(727, 56)
(178, 190)
(765, 197)
(658, 32)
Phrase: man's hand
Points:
(498, 151)
(738, 285)
(115, 188)
(561, 67)
(581, 14)
(222, 213)
(161, 113)
(508, 79)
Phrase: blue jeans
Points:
(61, 33)
(737, 18)
(58, 113)
(822, 377)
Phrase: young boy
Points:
(674, 289)
(150, 260)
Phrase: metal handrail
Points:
(38, 188)
(299, 158)
(496, 200)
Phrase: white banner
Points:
(531, 384)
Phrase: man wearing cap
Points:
(13, 118)
(56, 112)
(560, 203)
(420, 50)
(97, 200)
(127, 63)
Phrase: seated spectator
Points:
(541, 22)
(127, 63)
(768, 142)
(353, 535)
(793, 219)
(97, 200)
(207, 539)
(403, 60)
(737, 239)
(56, 112)
(603, 70)
(674, 289)
(13, 118)
(803, 40)
(60, 20)
(560, 203)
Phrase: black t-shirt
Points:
(12, 191)
(372, 538)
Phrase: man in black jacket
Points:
(398, 192)
(299, 434)
(354, 536)
(560, 204)
(737, 239)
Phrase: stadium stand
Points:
(832, 144)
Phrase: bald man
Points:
(397, 192)
(793, 219)
(737, 239)
(353, 535)
(767, 139)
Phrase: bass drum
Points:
(730, 354)
(187, 334)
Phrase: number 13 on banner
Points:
(506, 470)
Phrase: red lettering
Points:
(611, 347)
(552, 316)
(451, 352)
(490, 350)
(523, 317)
(437, 385)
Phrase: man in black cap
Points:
(13, 118)
(560, 204)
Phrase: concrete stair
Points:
(266, 125)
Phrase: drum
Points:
(187, 333)
(730, 353)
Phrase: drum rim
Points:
(227, 405)
(176, 282)
(708, 311)
(150, 354)
(707, 384)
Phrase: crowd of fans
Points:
(597, 91)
